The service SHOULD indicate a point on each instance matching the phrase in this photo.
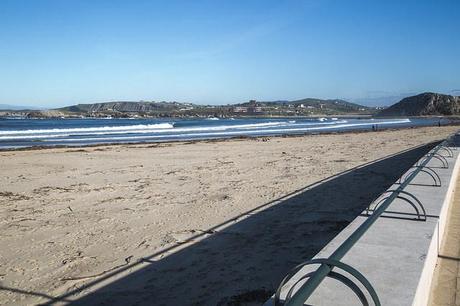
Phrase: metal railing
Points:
(326, 265)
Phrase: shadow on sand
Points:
(243, 263)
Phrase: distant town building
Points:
(253, 108)
(240, 109)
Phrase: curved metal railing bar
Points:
(421, 217)
(442, 159)
(306, 289)
(448, 150)
(340, 277)
(433, 174)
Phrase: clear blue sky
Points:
(67, 51)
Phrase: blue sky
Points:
(216, 52)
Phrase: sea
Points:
(22, 133)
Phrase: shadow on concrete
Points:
(243, 263)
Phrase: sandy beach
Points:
(126, 224)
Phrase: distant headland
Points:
(425, 104)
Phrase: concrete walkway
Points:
(398, 253)
(445, 289)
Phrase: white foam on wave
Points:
(140, 128)
(93, 129)
(150, 129)
(234, 133)
(9, 137)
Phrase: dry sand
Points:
(71, 215)
(445, 287)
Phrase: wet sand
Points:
(73, 215)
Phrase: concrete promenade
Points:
(397, 254)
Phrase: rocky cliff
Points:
(425, 104)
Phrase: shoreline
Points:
(213, 140)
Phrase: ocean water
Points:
(20, 133)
